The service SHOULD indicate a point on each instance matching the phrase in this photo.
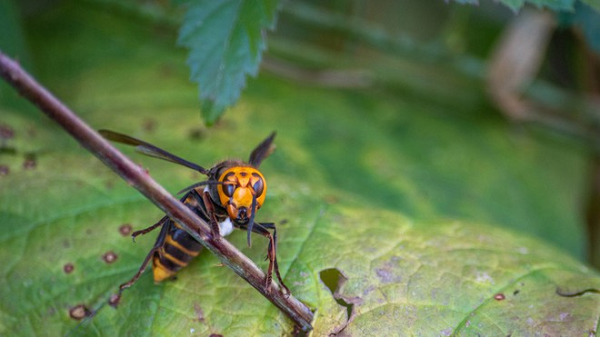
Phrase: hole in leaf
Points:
(578, 287)
(334, 279)
(569, 293)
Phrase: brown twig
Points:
(138, 178)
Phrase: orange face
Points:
(239, 185)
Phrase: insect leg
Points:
(210, 209)
(261, 228)
(149, 229)
(153, 227)
(159, 243)
(270, 225)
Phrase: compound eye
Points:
(258, 186)
(228, 189)
(229, 182)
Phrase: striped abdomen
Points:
(178, 247)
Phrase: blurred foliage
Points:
(405, 200)
(587, 19)
(555, 5)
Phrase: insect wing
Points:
(202, 183)
(262, 151)
(150, 150)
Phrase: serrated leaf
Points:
(226, 40)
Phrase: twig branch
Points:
(138, 178)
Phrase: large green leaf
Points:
(226, 40)
(396, 209)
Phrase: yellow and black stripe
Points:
(176, 247)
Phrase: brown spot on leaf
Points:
(109, 257)
(109, 184)
(68, 268)
(216, 335)
(30, 163)
(499, 297)
(6, 132)
(149, 125)
(125, 229)
(331, 199)
(79, 312)
(197, 134)
(166, 70)
(199, 312)
(114, 300)
(31, 132)
(4, 170)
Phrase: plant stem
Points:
(139, 179)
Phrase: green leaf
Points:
(409, 217)
(402, 276)
(226, 40)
